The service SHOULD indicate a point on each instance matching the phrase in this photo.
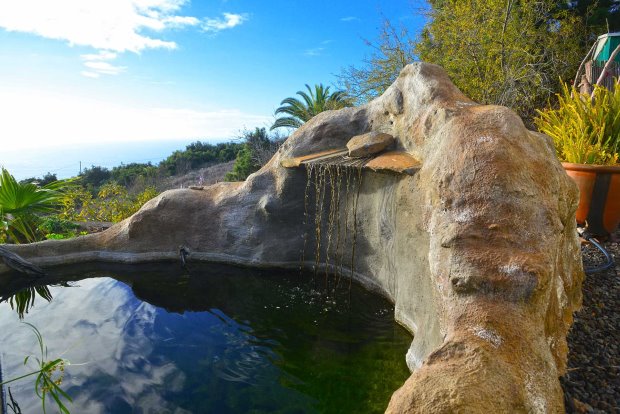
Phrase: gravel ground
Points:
(592, 382)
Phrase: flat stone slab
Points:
(368, 144)
(395, 161)
(297, 161)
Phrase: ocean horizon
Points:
(65, 160)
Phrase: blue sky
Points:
(75, 71)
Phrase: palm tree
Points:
(314, 102)
(21, 204)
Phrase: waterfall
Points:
(336, 193)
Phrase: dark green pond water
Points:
(218, 339)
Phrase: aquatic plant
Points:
(49, 376)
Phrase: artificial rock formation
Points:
(369, 143)
(478, 249)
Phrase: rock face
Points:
(478, 249)
(369, 143)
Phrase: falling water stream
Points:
(335, 218)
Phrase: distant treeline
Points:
(253, 149)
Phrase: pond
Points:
(214, 339)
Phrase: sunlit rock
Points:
(477, 249)
(369, 143)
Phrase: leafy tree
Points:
(394, 50)
(502, 52)
(45, 180)
(599, 15)
(94, 177)
(314, 102)
(505, 52)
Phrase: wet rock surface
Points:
(592, 380)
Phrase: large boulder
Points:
(478, 249)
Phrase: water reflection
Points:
(23, 300)
(222, 340)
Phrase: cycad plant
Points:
(49, 375)
(21, 206)
(312, 103)
(585, 130)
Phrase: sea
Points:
(67, 160)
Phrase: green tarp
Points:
(605, 46)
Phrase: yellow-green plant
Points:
(113, 203)
(141, 198)
(75, 202)
(585, 130)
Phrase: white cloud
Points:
(96, 64)
(350, 19)
(105, 68)
(317, 51)
(89, 74)
(314, 52)
(113, 25)
(35, 118)
(102, 55)
(180, 21)
(229, 21)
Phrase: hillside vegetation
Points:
(100, 195)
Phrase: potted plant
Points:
(586, 132)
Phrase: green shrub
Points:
(584, 130)
(243, 167)
(113, 203)
(198, 154)
(57, 225)
(258, 149)
(127, 174)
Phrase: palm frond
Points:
(20, 205)
(287, 122)
(312, 103)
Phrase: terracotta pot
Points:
(599, 196)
